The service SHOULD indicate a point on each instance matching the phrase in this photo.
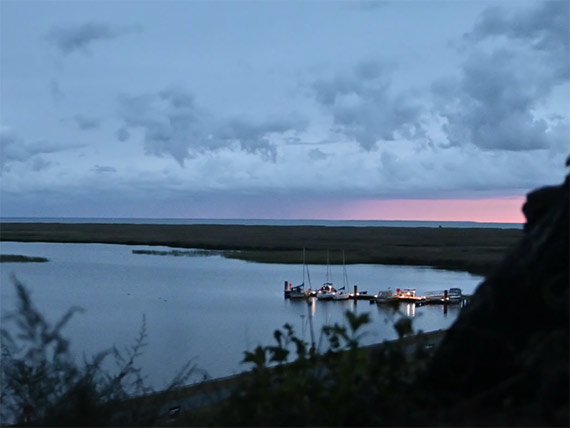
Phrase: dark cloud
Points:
(77, 38)
(40, 164)
(318, 154)
(503, 83)
(544, 27)
(15, 149)
(85, 122)
(123, 134)
(363, 107)
(173, 124)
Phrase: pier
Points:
(439, 297)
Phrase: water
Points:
(210, 308)
(266, 222)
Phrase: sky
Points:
(407, 110)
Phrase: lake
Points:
(205, 307)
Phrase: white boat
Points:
(341, 295)
(326, 292)
(408, 295)
(444, 297)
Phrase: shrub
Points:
(43, 385)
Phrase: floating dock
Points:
(440, 297)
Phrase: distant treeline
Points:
(180, 253)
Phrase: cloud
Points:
(363, 107)
(15, 149)
(56, 92)
(123, 134)
(544, 27)
(103, 169)
(86, 122)
(40, 164)
(318, 155)
(174, 124)
(78, 37)
(514, 63)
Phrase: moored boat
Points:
(326, 292)
(299, 292)
(408, 295)
(342, 293)
(385, 296)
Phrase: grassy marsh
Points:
(468, 249)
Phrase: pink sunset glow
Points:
(498, 210)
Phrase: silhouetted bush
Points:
(42, 385)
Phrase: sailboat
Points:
(327, 291)
(299, 291)
(342, 293)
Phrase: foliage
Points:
(42, 385)
(345, 386)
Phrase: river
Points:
(207, 308)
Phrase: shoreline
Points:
(474, 250)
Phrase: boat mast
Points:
(304, 266)
(344, 274)
(328, 267)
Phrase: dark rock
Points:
(505, 360)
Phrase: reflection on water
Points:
(209, 307)
(410, 310)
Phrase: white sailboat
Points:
(342, 293)
(327, 291)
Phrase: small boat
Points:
(326, 292)
(386, 296)
(299, 292)
(435, 297)
(408, 295)
(443, 297)
(341, 294)
(455, 295)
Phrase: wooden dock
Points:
(440, 297)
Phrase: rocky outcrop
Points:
(505, 361)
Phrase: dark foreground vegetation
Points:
(504, 362)
(473, 250)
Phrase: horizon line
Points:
(255, 219)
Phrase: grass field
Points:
(467, 249)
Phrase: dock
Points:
(453, 296)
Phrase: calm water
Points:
(210, 308)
